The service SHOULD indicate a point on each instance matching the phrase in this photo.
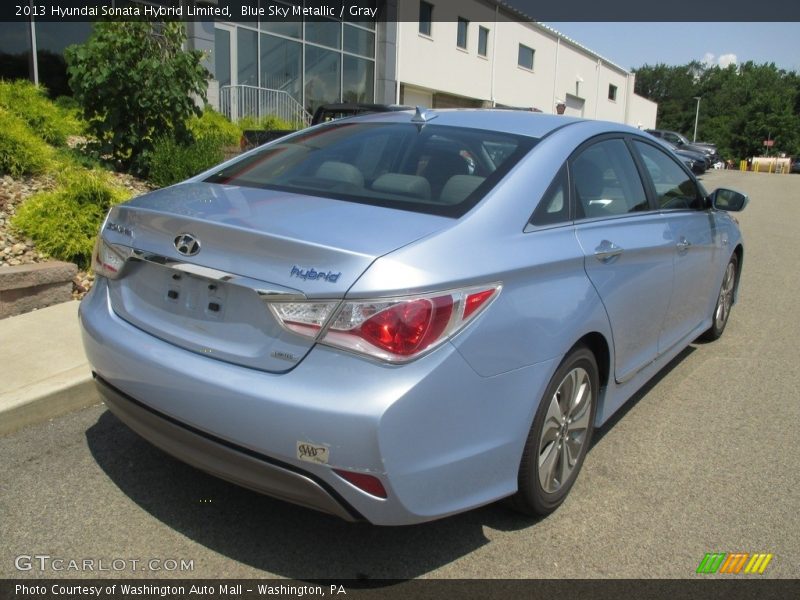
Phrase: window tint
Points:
(439, 170)
(606, 181)
(675, 189)
(554, 205)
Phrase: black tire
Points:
(724, 304)
(534, 497)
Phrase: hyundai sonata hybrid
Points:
(401, 316)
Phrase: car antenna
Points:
(422, 116)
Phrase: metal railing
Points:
(239, 101)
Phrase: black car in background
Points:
(680, 141)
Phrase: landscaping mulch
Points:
(17, 250)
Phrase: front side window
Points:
(425, 17)
(438, 169)
(606, 181)
(525, 57)
(675, 189)
(461, 39)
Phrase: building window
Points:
(324, 32)
(247, 57)
(425, 17)
(358, 76)
(612, 92)
(461, 40)
(323, 77)
(359, 41)
(483, 41)
(525, 57)
(282, 65)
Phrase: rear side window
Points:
(675, 189)
(606, 181)
(554, 205)
(432, 169)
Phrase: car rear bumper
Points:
(223, 459)
(440, 438)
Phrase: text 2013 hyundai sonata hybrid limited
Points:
(401, 316)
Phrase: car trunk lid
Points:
(252, 245)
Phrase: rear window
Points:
(431, 169)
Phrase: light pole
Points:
(696, 117)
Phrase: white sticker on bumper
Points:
(312, 453)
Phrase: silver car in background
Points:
(402, 316)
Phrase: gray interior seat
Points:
(458, 187)
(412, 186)
(341, 172)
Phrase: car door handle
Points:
(683, 245)
(607, 251)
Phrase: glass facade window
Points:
(425, 17)
(461, 36)
(222, 56)
(357, 77)
(15, 51)
(525, 57)
(247, 57)
(282, 65)
(326, 33)
(359, 41)
(51, 40)
(322, 77)
(288, 28)
(483, 41)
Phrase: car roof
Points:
(531, 124)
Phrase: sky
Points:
(632, 45)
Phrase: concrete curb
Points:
(46, 373)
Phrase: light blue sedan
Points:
(402, 316)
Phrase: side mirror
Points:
(728, 200)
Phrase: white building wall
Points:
(563, 71)
(642, 112)
(435, 62)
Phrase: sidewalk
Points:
(44, 372)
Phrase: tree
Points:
(134, 83)
(741, 105)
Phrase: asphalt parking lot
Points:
(705, 459)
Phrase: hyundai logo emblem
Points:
(187, 244)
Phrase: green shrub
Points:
(267, 123)
(71, 158)
(134, 82)
(64, 222)
(47, 119)
(171, 162)
(22, 152)
(213, 125)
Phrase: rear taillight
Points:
(394, 329)
(108, 260)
